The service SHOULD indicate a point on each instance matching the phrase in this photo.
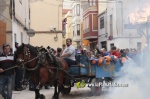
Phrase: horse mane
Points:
(33, 50)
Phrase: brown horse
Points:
(45, 68)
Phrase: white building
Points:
(76, 21)
(20, 21)
(112, 30)
(102, 19)
(14, 20)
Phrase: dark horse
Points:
(44, 68)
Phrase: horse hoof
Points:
(55, 97)
(42, 96)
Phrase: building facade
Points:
(102, 28)
(112, 26)
(46, 20)
(14, 22)
(76, 21)
(90, 22)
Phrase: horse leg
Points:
(55, 90)
(37, 94)
(60, 86)
(59, 90)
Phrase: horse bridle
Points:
(26, 53)
(27, 58)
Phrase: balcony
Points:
(76, 38)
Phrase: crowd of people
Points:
(68, 52)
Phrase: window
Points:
(78, 29)
(86, 24)
(111, 25)
(101, 22)
(90, 2)
(78, 10)
(21, 37)
(74, 10)
(95, 22)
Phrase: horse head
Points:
(24, 54)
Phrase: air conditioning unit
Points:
(52, 28)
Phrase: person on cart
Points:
(115, 52)
(69, 53)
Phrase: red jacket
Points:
(117, 54)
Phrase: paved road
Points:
(75, 94)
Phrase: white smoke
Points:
(137, 78)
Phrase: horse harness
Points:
(42, 56)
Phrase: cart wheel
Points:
(95, 90)
(66, 91)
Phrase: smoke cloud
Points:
(137, 78)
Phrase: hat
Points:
(84, 48)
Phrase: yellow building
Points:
(46, 20)
(68, 27)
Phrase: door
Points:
(104, 44)
(2, 32)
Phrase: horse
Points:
(44, 68)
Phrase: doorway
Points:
(104, 44)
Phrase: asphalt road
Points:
(83, 93)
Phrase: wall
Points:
(5, 17)
(22, 14)
(123, 43)
(46, 39)
(120, 11)
(101, 6)
(46, 14)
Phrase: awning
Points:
(85, 42)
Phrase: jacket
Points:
(7, 62)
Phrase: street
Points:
(75, 94)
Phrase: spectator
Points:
(6, 77)
(18, 76)
(63, 47)
(59, 52)
(97, 51)
(104, 52)
(122, 53)
(115, 52)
